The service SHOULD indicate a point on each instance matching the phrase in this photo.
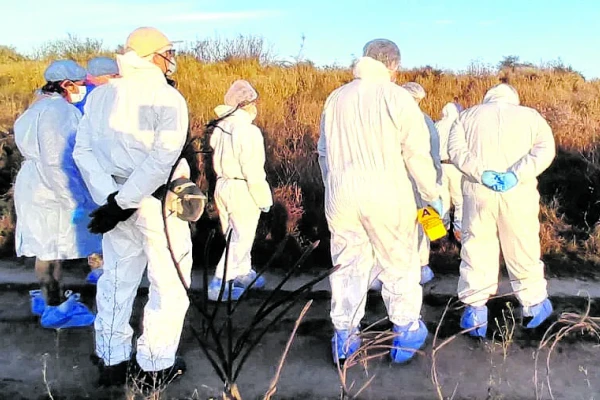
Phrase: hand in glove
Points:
(490, 179)
(265, 209)
(106, 217)
(506, 182)
(437, 205)
(498, 181)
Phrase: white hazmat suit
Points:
(44, 201)
(434, 141)
(373, 139)
(242, 189)
(500, 135)
(451, 176)
(418, 93)
(132, 133)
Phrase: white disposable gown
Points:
(242, 188)
(48, 188)
(373, 140)
(451, 176)
(500, 135)
(132, 134)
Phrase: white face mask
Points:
(172, 68)
(75, 98)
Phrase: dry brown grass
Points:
(291, 101)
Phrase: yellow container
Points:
(432, 223)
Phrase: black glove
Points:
(106, 217)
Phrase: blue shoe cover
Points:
(244, 281)
(38, 303)
(69, 314)
(426, 274)
(405, 340)
(474, 316)
(214, 288)
(344, 344)
(94, 275)
(376, 285)
(540, 312)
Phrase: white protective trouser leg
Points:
(369, 230)
(238, 212)
(519, 232)
(452, 195)
(510, 220)
(127, 249)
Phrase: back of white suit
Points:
(500, 135)
(373, 135)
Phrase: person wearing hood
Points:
(99, 71)
(501, 148)
(451, 176)
(46, 201)
(131, 135)
(242, 191)
(373, 140)
(418, 93)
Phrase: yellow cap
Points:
(146, 41)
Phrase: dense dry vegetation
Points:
(291, 99)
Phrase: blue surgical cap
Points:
(64, 70)
(101, 66)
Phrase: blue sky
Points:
(446, 34)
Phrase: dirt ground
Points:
(42, 364)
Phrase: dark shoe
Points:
(152, 380)
(113, 375)
(52, 293)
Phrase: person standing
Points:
(451, 176)
(131, 135)
(242, 190)
(373, 141)
(48, 227)
(501, 148)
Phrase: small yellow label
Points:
(432, 223)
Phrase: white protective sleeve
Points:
(416, 150)
(99, 183)
(322, 152)
(460, 155)
(52, 139)
(541, 155)
(435, 147)
(252, 163)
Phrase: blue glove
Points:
(438, 206)
(79, 215)
(490, 179)
(507, 180)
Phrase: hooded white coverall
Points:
(451, 176)
(132, 134)
(373, 139)
(242, 188)
(502, 136)
(434, 141)
(44, 201)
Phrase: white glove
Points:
(265, 209)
